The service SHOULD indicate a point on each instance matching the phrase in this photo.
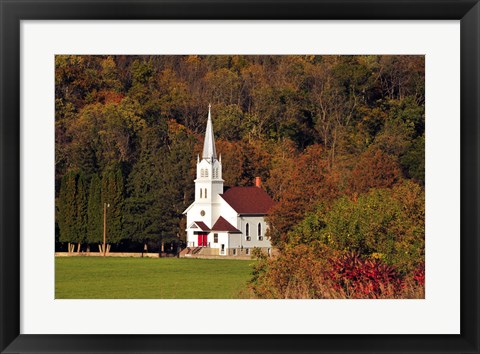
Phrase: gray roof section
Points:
(209, 151)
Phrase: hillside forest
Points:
(337, 140)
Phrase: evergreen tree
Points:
(67, 210)
(143, 207)
(113, 196)
(176, 189)
(118, 206)
(95, 211)
(81, 203)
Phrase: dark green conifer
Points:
(95, 211)
(67, 209)
(113, 197)
(143, 212)
(81, 204)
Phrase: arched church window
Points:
(259, 229)
(247, 230)
(200, 192)
(205, 192)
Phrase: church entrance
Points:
(202, 239)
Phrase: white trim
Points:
(190, 207)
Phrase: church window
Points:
(205, 192)
(259, 229)
(202, 213)
(215, 238)
(201, 191)
(247, 230)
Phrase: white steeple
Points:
(209, 182)
(209, 151)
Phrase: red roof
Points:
(248, 200)
(202, 225)
(223, 225)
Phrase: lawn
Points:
(150, 278)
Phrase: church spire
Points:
(209, 151)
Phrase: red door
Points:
(202, 240)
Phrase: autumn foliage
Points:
(305, 272)
(374, 169)
(365, 246)
(305, 181)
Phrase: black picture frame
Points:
(14, 11)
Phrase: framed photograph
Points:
(267, 176)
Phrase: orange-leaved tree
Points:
(307, 182)
(374, 169)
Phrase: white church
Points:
(229, 223)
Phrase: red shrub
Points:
(364, 278)
(419, 275)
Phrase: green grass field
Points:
(150, 278)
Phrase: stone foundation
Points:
(230, 253)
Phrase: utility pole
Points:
(105, 206)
